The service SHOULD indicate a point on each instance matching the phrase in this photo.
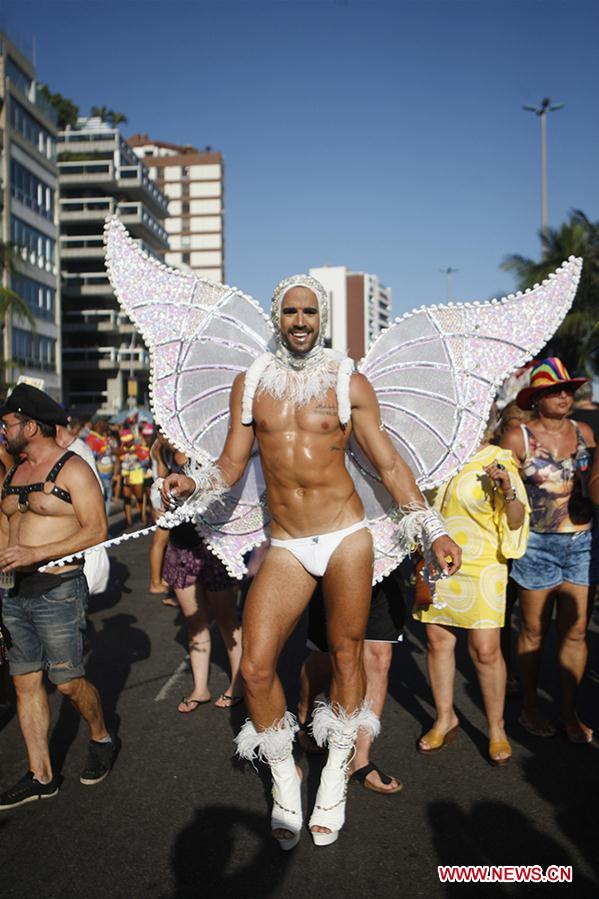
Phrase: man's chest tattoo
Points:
(326, 410)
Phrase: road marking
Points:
(178, 675)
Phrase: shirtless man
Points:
(51, 506)
(302, 404)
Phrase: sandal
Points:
(191, 702)
(497, 746)
(361, 774)
(231, 701)
(548, 730)
(437, 741)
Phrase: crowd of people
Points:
(521, 510)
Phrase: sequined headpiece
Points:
(301, 281)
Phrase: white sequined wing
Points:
(201, 335)
(435, 372)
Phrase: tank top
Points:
(555, 487)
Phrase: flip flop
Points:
(534, 730)
(361, 774)
(231, 700)
(194, 702)
(497, 746)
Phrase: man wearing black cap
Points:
(51, 506)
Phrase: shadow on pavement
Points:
(494, 833)
(113, 650)
(213, 856)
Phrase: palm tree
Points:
(577, 340)
(10, 302)
(101, 112)
(117, 118)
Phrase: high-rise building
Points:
(360, 308)
(105, 363)
(28, 192)
(193, 181)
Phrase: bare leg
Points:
(314, 676)
(347, 590)
(127, 503)
(197, 618)
(440, 660)
(34, 719)
(535, 612)
(157, 551)
(86, 700)
(377, 660)
(280, 592)
(224, 611)
(572, 619)
(485, 652)
(277, 598)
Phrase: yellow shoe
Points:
(437, 741)
(495, 748)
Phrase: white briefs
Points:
(315, 552)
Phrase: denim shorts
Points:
(551, 559)
(47, 631)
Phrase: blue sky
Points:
(386, 136)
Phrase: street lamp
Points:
(449, 271)
(541, 111)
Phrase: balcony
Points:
(138, 219)
(106, 358)
(135, 180)
(105, 320)
(86, 284)
(88, 172)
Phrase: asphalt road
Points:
(179, 817)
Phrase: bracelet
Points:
(510, 499)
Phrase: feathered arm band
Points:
(209, 484)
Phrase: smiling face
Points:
(300, 320)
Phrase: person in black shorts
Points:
(384, 629)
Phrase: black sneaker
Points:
(28, 789)
(100, 758)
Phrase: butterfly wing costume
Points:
(435, 372)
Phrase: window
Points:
(185, 208)
(31, 191)
(186, 240)
(185, 189)
(31, 130)
(185, 171)
(17, 75)
(34, 350)
(184, 224)
(39, 297)
(186, 257)
(34, 246)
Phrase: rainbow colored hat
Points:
(549, 372)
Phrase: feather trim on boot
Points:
(332, 725)
(272, 745)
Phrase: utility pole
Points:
(449, 271)
(541, 111)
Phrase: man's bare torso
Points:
(302, 449)
(47, 519)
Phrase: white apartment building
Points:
(29, 193)
(193, 181)
(105, 363)
(359, 308)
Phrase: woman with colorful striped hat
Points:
(559, 567)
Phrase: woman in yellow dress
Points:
(486, 512)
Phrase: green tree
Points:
(117, 118)
(100, 112)
(576, 341)
(10, 302)
(66, 110)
